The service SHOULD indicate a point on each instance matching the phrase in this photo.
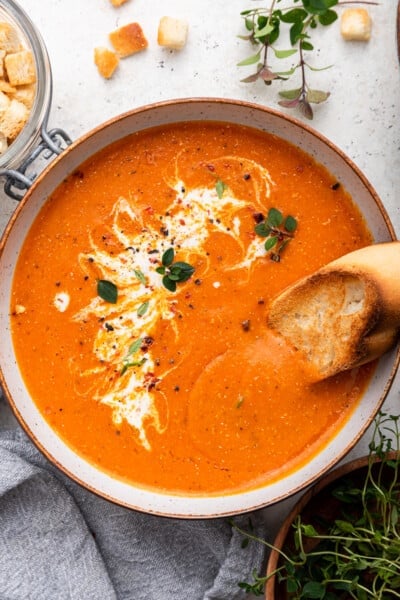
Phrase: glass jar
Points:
(28, 137)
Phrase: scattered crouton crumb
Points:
(106, 61)
(128, 39)
(118, 2)
(356, 24)
(172, 33)
(19, 309)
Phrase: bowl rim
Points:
(195, 507)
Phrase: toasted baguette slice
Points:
(345, 314)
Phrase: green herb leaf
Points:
(290, 224)
(313, 589)
(262, 229)
(160, 270)
(168, 257)
(185, 270)
(317, 96)
(270, 242)
(290, 94)
(275, 217)
(107, 291)
(143, 308)
(135, 346)
(284, 53)
(127, 362)
(169, 284)
(293, 16)
(251, 60)
(266, 30)
(328, 17)
(220, 188)
(140, 276)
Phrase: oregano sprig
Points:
(266, 25)
(173, 272)
(278, 231)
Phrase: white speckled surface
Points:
(361, 115)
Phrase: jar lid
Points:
(31, 40)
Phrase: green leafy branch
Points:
(357, 554)
(173, 272)
(278, 231)
(265, 27)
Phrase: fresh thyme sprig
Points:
(278, 230)
(173, 272)
(357, 554)
(128, 361)
(266, 26)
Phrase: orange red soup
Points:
(186, 390)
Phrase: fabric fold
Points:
(59, 541)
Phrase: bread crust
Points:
(345, 314)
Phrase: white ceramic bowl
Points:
(25, 409)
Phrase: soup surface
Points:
(183, 390)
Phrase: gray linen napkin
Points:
(59, 541)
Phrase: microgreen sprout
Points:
(173, 272)
(356, 553)
(266, 25)
(278, 231)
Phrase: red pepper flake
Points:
(182, 222)
(149, 210)
(210, 167)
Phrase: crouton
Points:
(3, 143)
(25, 94)
(356, 24)
(9, 38)
(2, 57)
(172, 33)
(20, 67)
(4, 102)
(13, 119)
(118, 2)
(6, 87)
(128, 40)
(106, 61)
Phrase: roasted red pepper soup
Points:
(186, 390)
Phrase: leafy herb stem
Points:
(278, 231)
(173, 272)
(128, 361)
(266, 25)
(357, 552)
